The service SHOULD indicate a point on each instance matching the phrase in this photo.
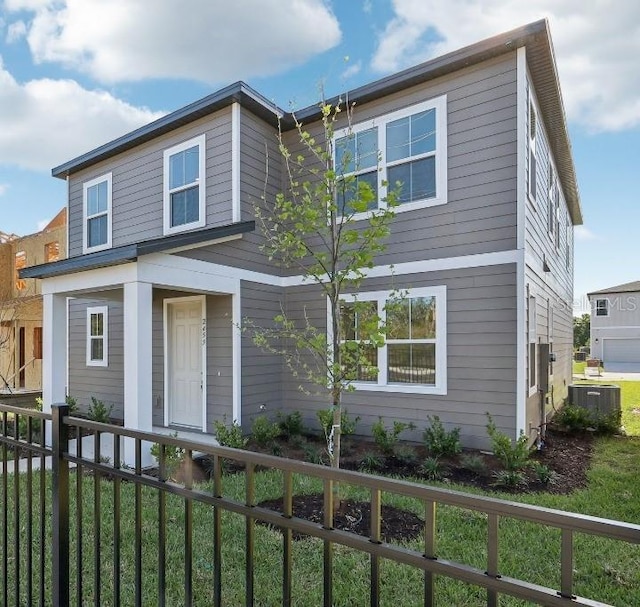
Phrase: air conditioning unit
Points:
(601, 399)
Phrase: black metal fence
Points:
(92, 530)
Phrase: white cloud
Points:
(596, 45)
(42, 224)
(583, 233)
(46, 122)
(3, 188)
(126, 40)
(351, 70)
(16, 31)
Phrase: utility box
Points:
(601, 399)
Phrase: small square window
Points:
(602, 307)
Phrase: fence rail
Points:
(95, 509)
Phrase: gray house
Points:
(164, 259)
(615, 326)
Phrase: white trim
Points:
(619, 327)
(236, 365)
(206, 243)
(104, 361)
(197, 275)
(441, 152)
(521, 345)
(85, 217)
(167, 228)
(166, 303)
(66, 227)
(235, 161)
(440, 387)
(521, 123)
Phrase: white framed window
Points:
(602, 307)
(408, 146)
(184, 191)
(532, 184)
(96, 229)
(413, 358)
(97, 336)
(568, 247)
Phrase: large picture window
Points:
(97, 195)
(97, 336)
(184, 186)
(413, 357)
(405, 151)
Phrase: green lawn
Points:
(605, 570)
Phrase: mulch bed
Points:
(355, 517)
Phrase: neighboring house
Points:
(615, 326)
(21, 303)
(164, 258)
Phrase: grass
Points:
(605, 570)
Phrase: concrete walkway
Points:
(610, 376)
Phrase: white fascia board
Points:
(90, 280)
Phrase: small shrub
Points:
(387, 438)
(513, 479)
(263, 431)
(347, 425)
(573, 418)
(607, 424)
(313, 455)
(405, 454)
(298, 442)
(98, 411)
(439, 442)
(513, 456)
(370, 462)
(276, 449)
(543, 473)
(474, 463)
(172, 455)
(291, 424)
(432, 469)
(230, 437)
(71, 401)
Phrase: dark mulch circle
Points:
(396, 525)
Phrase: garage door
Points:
(622, 350)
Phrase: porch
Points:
(158, 338)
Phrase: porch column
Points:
(138, 398)
(54, 353)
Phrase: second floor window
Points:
(97, 214)
(406, 150)
(184, 186)
(602, 307)
(20, 262)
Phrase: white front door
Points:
(185, 362)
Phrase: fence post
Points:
(60, 521)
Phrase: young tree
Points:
(329, 226)
(581, 330)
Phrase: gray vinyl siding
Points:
(104, 383)
(481, 356)
(553, 288)
(137, 181)
(480, 215)
(260, 179)
(261, 371)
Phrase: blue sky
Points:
(77, 73)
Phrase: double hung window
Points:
(184, 186)
(97, 195)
